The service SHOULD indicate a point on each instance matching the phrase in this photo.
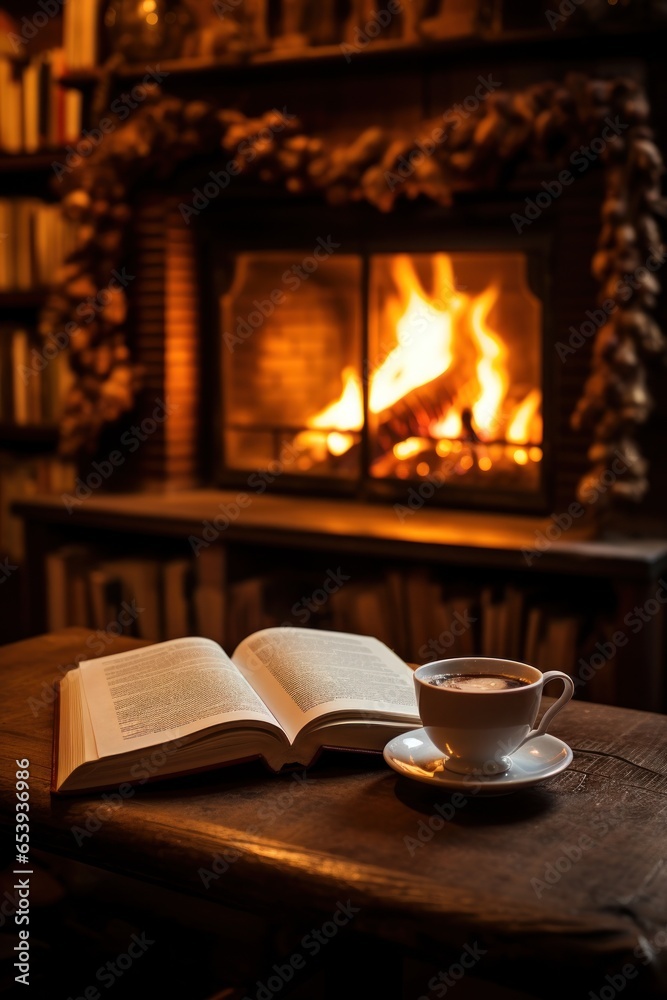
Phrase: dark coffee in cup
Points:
(481, 683)
(479, 710)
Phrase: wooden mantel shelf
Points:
(436, 535)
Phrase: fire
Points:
(526, 422)
(451, 427)
(409, 447)
(491, 370)
(344, 415)
(424, 331)
(347, 413)
(445, 333)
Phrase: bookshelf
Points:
(33, 163)
(611, 40)
(406, 582)
(38, 119)
(32, 298)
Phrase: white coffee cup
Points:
(478, 731)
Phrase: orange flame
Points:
(347, 412)
(450, 427)
(423, 329)
(491, 370)
(523, 419)
(432, 333)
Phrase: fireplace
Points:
(365, 354)
(353, 342)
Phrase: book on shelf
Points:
(81, 33)
(178, 585)
(534, 630)
(22, 396)
(515, 622)
(105, 598)
(67, 600)
(138, 583)
(284, 695)
(418, 595)
(493, 622)
(11, 108)
(246, 608)
(395, 585)
(358, 602)
(552, 636)
(33, 388)
(36, 240)
(210, 592)
(560, 642)
(465, 622)
(36, 111)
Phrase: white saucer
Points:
(414, 756)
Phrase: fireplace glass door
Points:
(380, 368)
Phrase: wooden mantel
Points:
(456, 537)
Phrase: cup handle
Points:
(568, 691)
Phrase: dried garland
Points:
(543, 123)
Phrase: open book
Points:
(184, 705)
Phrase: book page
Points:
(159, 693)
(303, 674)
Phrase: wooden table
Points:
(558, 886)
